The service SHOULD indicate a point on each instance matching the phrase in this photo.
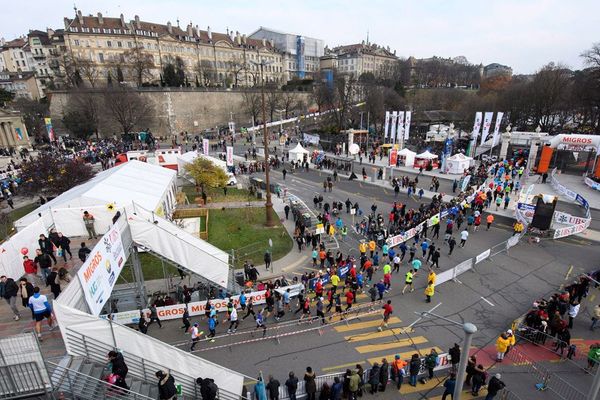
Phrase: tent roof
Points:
(406, 152)
(460, 157)
(136, 181)
(298, 149)
(426, 154)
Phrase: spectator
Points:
(166, 386)
(119, 368)
(292, 385)
(9, 290)
(209, 390)
(83, 252)
(449, 386)
(494, 387)
(309, 384)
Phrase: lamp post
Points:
(268, 203)
(469, 330)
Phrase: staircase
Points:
(79, 378)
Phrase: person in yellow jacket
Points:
(362, 247)
(429, 291)
(512, 340)
(432, 276)
(502, 345)
(331, 231)
(372, 246)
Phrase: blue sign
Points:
(582, 201)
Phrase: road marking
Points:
(370, 348)
(569, 272)
(378, 335)
(406, 355)
(343, 366)
(430, 384)
(487, 301)
(365, 324)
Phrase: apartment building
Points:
(22, 84)
(360, 58)
(208, 58)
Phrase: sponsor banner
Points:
(482, 256)
(513, 240)
(593, 184)
(386, 128)
(232, 127)
(497, 128)
(393, 157)
(477, 125)
(403, 237)
(394, 122)
(49, 129)
(527, 210)
(463, 267)
(19, 133)
(407, 125)
(205, 146)
(564, 218)
(312, 139)
(571, 230)
(100, 271)
(199, 307)
(400, 134)
(229, 156)
(579, 198)
(487, 123)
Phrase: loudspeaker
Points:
(542, 218)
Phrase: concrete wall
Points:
(175, 110)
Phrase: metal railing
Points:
(140, 368)
(85, 386)
(22, 380)
(548, 379)
(549, 343)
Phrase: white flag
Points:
(495, 138)
(477, 125)
(487, 123)
(205, 146)
(393, 130)
(407, 125)
(229, 156)
(386, 128)
(400, 125)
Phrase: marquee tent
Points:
(425, 158)
(458, 163)
(150, 186)
(407, 157)
(297, 153)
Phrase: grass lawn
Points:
(7, 223)
(218, 196)
(243, 230)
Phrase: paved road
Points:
(497, 292)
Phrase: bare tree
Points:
(206, 72)
(548, 94)
(127, 107)
(235, 67)
(252, 104)
(82, 113)
(289, 102)
(89, 70)
(140, 64)
(592, 56)
(273, 100)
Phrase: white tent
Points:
(407, 157)
(150, 186)
(297, 153)
(458, 163)
(426, 155)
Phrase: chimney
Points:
(231, 36)
(80, 17)
(209, 33)
(238, 38)
(264, 42)
(244, 38)
(137, 22)
(66, 21)
(100, 19)
(50, 32)
(272, 43)
(169, 27)
(122, 20)
(197, 31)
(190, 30)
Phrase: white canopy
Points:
(458, 163)
(407, 157)
(297, 153)
(406, 152)
(426, 155)
(150, 186)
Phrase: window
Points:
(101, 57)
(119, 44)
(76, 42)
(17, 62)
(106, 30)
(117, 31)
(86, 30)
(108, 43)
(96, 30)
(129, 45)
(21, 53)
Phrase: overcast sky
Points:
(524, 34)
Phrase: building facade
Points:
(495, 69)
(301, 54)
(361, 58)
(22, 84)
(104, 45)
(13, 132)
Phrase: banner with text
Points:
(386, 128)
(407, 125)
(205, 146)
(100, 271)
(487, 123)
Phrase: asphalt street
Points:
(491, 296)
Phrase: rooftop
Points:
(362, 48)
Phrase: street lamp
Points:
(268, 204)
(469, 330)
